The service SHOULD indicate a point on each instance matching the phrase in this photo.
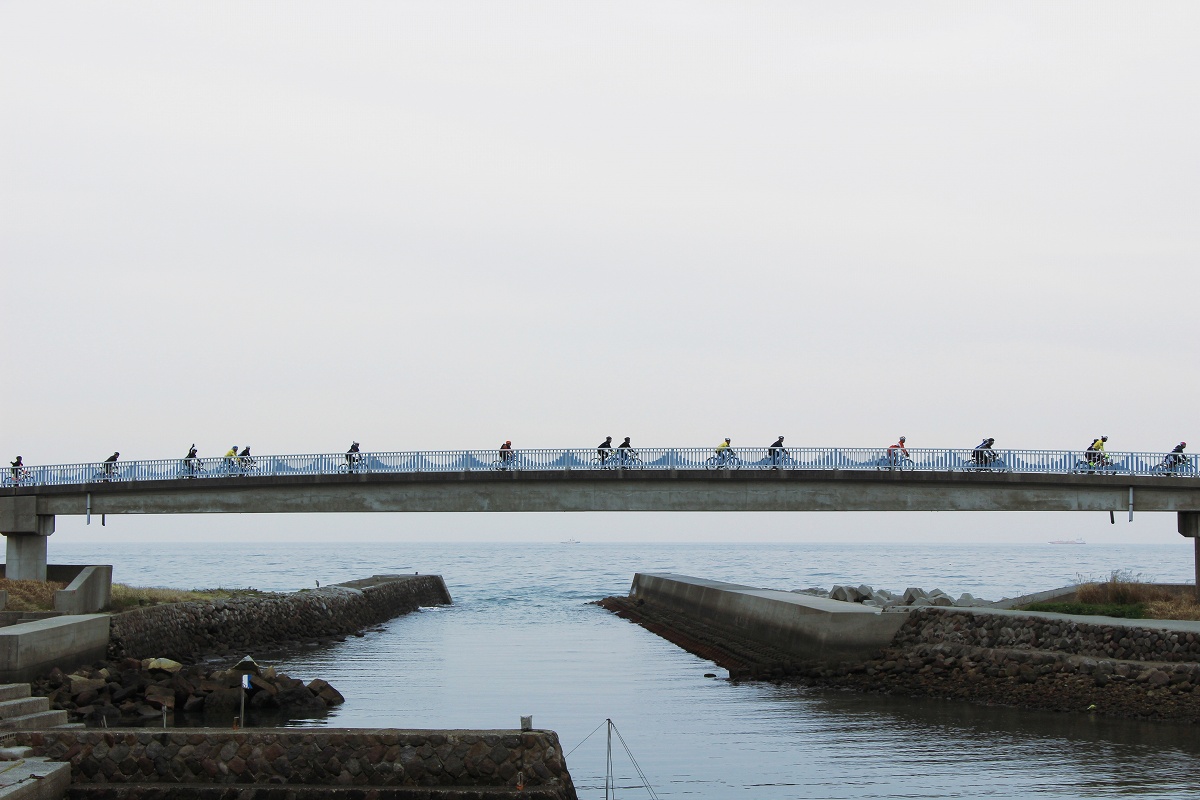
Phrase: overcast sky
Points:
(444, 225)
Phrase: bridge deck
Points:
(619, 490)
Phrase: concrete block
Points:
(91, 591)
(31, 648)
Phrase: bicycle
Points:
(725, 460)
(891, 461)
(1175, 465)
(1094, 464)
(354, 463)
(190, 468)
(984, 461)
(778, 458)
(106, 474)
(506, 462)
(617, 458)
(16, 476)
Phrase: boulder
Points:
(330, 695)
(164, 665)
(847, 594)
(942, 600)
(224, 700)
(865, 592)
(912, 593)
(161, 696)
(78, 684)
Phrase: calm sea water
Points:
(522, 639)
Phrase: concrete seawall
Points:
(805, 627)
(184, 631)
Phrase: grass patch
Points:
(1125, 610)
(30, 595)
(125, 597)
(1124, 594)
(1123, 588)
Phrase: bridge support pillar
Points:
(26, 532)
(1189, 526)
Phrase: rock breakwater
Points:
(284, 763)
(186, 631)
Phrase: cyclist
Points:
(898, 447)
(983, 453)
(352, 457)
(724, 450)
(506, 450)
(625, 450)
(18, 467)
(776, 452)
(1175, 458)
(191, 459)
(603, 448)
(231, 458)
(1095, 452)
(244, 459)
(110, 465)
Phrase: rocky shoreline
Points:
(132, 692)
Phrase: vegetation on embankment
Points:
(1126, 596)
(39, 595)
(127, 597)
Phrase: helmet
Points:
(728, 439)
(508, 441)
(902, 438)
(1181, 444)
(781, 436)
(1104, 438)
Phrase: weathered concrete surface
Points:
(90, 591)
(625, 490)
(811, 628)
(31, 648)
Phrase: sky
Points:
(443, 225)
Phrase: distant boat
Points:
(1068, 541)
(571, 541)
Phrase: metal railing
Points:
(1061, 462)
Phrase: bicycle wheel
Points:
(712, 463)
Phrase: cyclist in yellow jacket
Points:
(1095, 451)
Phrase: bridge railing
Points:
(591, 458)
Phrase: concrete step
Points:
(13, 691)
(22, 706)
(39, 720)
(34, 779)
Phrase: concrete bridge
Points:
(581, 480)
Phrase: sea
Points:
(523, 638)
